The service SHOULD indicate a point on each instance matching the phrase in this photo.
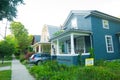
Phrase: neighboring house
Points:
(35, 40)
(43, 45)
(84, 30)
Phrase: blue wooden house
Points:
(84, 30)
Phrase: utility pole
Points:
(5, 29)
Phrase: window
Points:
(105, 24)
(109, 44)
(80, 45)
(74, 23)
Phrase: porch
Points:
(69, 44)
(42, 47)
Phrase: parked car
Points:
(38, 58)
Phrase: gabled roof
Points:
(104, 15)
(52, 30)
(36, 38)
(88, 13)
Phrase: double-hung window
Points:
(109, 44)
(74, 23)
(105, 24)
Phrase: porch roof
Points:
(66, 32)
(36, 44)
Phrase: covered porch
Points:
(42, 47)
(69, 44)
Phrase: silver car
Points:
(38, 58)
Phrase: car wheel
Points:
(39, 62)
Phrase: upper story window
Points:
(109, 44)
(105, 24)
(74, 23)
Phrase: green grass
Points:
(5, 64)
(104, 70)
(5, 75)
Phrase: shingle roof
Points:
(52, 30)
(36, 38)
(87, 13)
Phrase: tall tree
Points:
(12, 40)
(8, 8)
(7, 47)
(21, 34)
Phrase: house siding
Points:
(91, 21)
(83, 23)
(99, 43)
(71, 60)
(68, 24)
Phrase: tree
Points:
(8, 8)
(21, 34)
(12, 40)
(7, 47)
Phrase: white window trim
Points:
(107, 44)
(104, 24)
(74, 23)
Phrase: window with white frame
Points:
(74, 23)
(105, 24)
(109, 44)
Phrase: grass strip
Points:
(5, 75)
(5, 64)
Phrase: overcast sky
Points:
(35, 13)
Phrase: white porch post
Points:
(39, 48)
(35, 48)
(72, 44)
(57, 46)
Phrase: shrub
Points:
(22, 57)
(51, 70)
(95, 73)
(28, 54)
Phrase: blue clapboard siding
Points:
(99, 38)
(71, 60)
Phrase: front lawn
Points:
(5, 75)
(109, 70)
(5, 64)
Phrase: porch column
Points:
(72, 44)
(57, 46)
(35, 48)
(39, 48)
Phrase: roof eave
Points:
(72, 31)
(106, 16)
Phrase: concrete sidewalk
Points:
(19, 71)
(5, 68)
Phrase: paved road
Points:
(19, 71)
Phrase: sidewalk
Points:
(5, 68)
(19, 71)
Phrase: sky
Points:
(36, 13)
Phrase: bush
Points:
(28, 54)
(51, 70)
(22, 57)
(96, 73)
